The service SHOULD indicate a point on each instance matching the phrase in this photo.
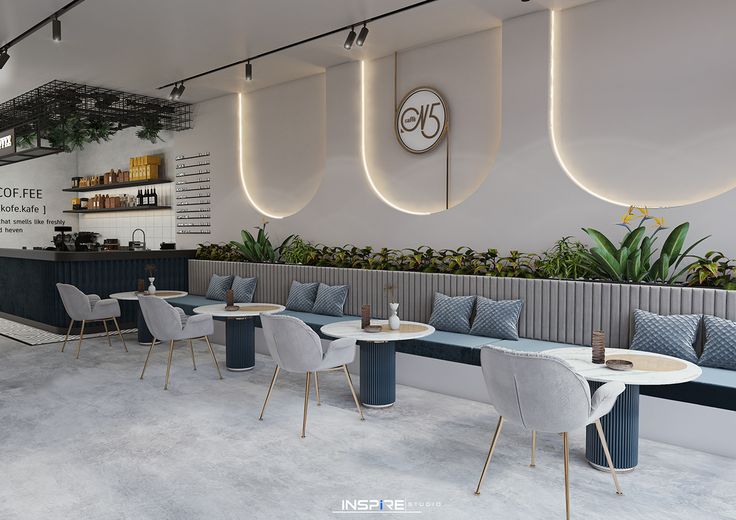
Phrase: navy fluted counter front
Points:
(28, 280)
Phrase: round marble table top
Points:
(163, 294)
(247, 310)
(649, 368)
(351, 329)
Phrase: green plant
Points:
(218, 252)
(296, 250)
(634, 259)
(99, 130)
(713, 270)
(565, 260)
(28, 140)
(150, 130)
(259, 249)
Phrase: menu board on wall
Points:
(193, 194)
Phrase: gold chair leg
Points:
(268, 394)
(352, 391)
(212, 351)
(534, 450)
(496, 434)
(191, 347)
(566, 449)
(115, 320)
(168, 367)
(68, 331)
(316, 388)
(148, 356)
(306, 406)
(81, 337)
(602, 437)
(107, 333)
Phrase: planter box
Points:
(554, 310)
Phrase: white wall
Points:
(49, 174)
(526, 201)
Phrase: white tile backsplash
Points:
(159, 225)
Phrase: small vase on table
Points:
(151, 287)
(394, 323)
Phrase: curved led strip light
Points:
(241, 147)
(363, 150)
(553, 117)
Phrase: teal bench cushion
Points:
(190, 301)
(716, 387)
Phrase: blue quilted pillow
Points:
(219, 285)
(243, 289)
(719, 350)
(673, 335)
(330, 299)
(497, 319)
(302, 296)
(452, 314)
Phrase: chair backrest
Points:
(538, 391)
(75, 302)
(292, 344)
(163, 320)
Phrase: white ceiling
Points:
(138, 45)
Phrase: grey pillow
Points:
(452, 314)
(243, 289)
(497, 319)
(673, 335)
(302, 296)
(219, 285)
(330, 299)
(719, 350)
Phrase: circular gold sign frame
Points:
(445, 127)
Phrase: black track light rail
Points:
(301, 42)
(39, 25)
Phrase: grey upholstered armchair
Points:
(88, 308)
(543, 393)
(168, 323)
(297, 348)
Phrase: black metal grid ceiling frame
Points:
(56, 100)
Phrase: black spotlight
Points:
(56, 29)
(181, 90)
(248, 71)
(362, 35)
(350, 39)
(4, 57)
(174, 92)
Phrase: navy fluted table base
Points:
(240, 344)
(377, 374)
(621, 428)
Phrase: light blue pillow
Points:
(219, 285)
(452, 314)
(330, 300)
(302, 296)
(243, 289)
(719, 350)
(673, 335)
(497, 319)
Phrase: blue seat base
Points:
(715, 387)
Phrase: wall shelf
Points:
(115, 210)
(129, 184)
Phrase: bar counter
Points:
(28, 280)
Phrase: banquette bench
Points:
(556, 313)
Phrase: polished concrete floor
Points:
(86, 439)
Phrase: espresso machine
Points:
(62, 241)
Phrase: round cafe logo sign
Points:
(421, 120)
